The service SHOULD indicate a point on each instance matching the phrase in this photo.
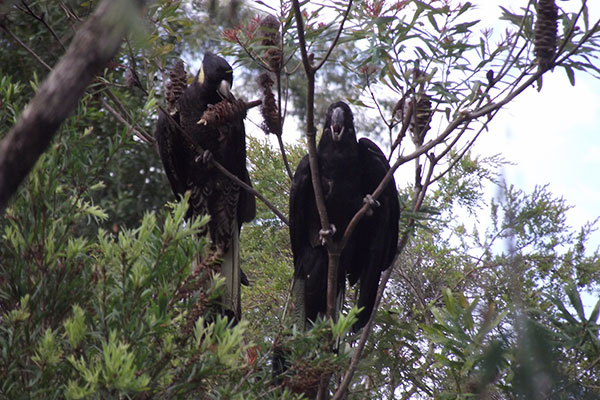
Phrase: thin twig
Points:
(288, 169)
(141, 135)
(43, 21)
(506, 67)
(24, 46)
(337, 37)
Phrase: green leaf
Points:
(450, 302)
(75, 326)
(565, 313)
(576, 301)
(431, 19)
(163, 50)
(570, 74)
(465, 7)
(464, 27)
(594, 315)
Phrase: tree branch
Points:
(122, 117)
(23, 45)
(132, 128)
(337, 37)
(314, 163)
(288, 169)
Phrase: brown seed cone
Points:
(177, 84)
(269, 108)
(273, 55)
(421, 118)
(225, 111)
(546, 26)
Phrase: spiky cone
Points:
(273, 55)
(269, 109)
(176, 85)
(546, 25)
(225, 111)
(420, 119)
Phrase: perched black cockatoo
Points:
(212, 193)
(350, 171)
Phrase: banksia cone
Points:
(273, 55)
(269, 109)
(545, 33)
(420, 117)
(225, 111)
(177, 84)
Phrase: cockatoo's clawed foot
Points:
(368, 199)
(205, 158)
(371, 201)
(324, 234)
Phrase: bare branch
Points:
(122, 115)
(288, 169)
(144, 136)
(301, 39)
(23, 45)
(281, 121)
(337, 37)
(314, 164)
(43, 21)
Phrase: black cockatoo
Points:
(350, 171)
(212, 193)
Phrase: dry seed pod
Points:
(420, 119)
(177, 84)
(269, 109)
(545, 33)
(226, 111)
(273, 56)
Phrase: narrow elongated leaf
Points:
(565, 313)
(570, 74)
(576, 301)
(594, 315)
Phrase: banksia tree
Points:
(545, 33)
(176, 86)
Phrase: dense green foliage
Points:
(98, 293)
